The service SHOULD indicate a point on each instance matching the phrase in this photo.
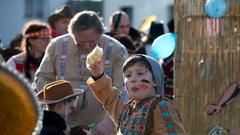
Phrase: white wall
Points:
(141, 9)
(54, 4)
(12, 14)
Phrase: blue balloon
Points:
(164, 46)
(215, 8)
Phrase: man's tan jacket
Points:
(73, 64)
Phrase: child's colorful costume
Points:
(151, 116)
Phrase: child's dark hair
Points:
(136, 59)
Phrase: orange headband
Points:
(45, 32)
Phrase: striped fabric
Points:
(167, 118)
(45, 32)
(138, 120)
(19, 63)
(135, 120)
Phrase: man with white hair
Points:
(65, 58)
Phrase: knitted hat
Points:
(158, 74)
(57, 91)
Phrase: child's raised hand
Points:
(95, 61)
(96, 69)
(94, 56)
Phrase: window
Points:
(34, 8)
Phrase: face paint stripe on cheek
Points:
(145, 81)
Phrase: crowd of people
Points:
(124, 93)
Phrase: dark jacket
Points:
(53, 124)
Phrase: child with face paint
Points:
(147, 112)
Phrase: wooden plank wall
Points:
(207, 62)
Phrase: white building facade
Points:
(14, 13)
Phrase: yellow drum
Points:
(20, 112)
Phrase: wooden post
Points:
(207, 62)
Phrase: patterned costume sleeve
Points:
(107, 95)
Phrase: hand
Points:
(213, 109)
(88, 132)
(97, 68)
(105, 127)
